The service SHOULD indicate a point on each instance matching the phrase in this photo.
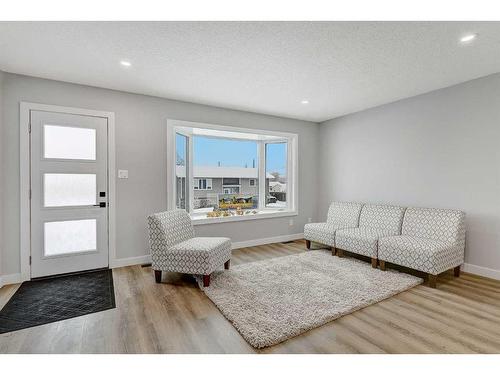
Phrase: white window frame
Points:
(265, 136)
(230, 187)
(208, 183)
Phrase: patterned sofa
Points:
(340, 215)
(430, 240)
(375, 221)
(174, 247)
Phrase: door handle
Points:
(101, 204)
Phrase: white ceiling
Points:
(266, 67)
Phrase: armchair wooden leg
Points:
(334, 251)
(308, 244)
(206, 280)
(340, 253)
(226, 265)
(374, 262)
(456, 271)
(432, 280)
(382, 264)
(158, 276)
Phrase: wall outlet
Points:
(309, 219)
(122, 173)
(290, 222)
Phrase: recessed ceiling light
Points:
(305, 101)
(468, 38)
(126, 63)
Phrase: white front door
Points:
(69, 213)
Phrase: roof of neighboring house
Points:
(218, 172)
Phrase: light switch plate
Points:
(122, 173)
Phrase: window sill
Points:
(201, 219)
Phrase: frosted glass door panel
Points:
(68, 237)
(66, 189)
(64, 142)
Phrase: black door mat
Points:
(50, 300)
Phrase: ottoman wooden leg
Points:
(226, 265)
(206, 280)
(374, 262)
(432, 280)
(382, 264)
(308, 244)
(456, 271)
(340, 253)
(158, 276)
(334, 251)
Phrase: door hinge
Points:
(30, 193)
(30, 260)
(29, 127)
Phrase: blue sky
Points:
(232, 153)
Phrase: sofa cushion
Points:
(384, 217)
(361, 241)
(423, 254)
(198, 255)
(323, 233)
(344, 214)
(435, 224)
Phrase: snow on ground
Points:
(277, 204)
(203, 210)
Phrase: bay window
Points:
(220, 173)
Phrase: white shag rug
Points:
(270, 301)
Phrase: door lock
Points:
(101, 204)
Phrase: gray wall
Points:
(1, 173)
(141, 148)
(246, 188)
(440, 149)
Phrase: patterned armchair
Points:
(375, 221)
(174, 248)
(340, 215)
(432, 240)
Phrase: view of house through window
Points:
(232, 173)
(229, 165)
(276, 165)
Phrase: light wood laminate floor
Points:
(461, 316)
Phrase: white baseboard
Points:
(14, 278)
(268, 240)
(481, 271)
(132, 261)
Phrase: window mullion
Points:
(262, 174)
(190, 175)
(289, 175)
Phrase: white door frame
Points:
(24, 155)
